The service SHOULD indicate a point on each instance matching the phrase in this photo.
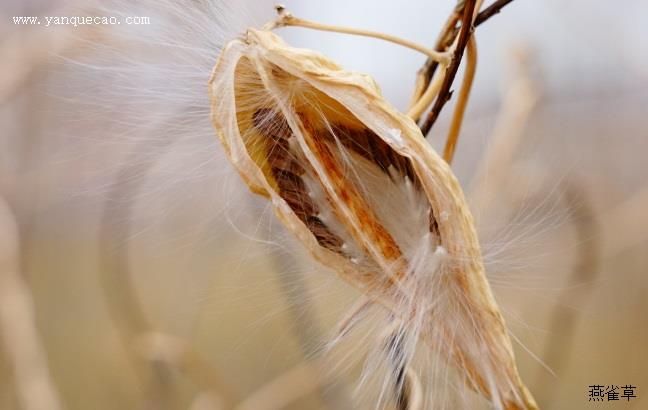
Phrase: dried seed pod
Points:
(357, 183)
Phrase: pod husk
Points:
(483, 354)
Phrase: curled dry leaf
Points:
(357, 183)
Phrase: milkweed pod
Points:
(355, 181)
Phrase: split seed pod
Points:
(357, 183)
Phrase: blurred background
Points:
(137, 271)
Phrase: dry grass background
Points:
(564, 214)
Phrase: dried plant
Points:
(350, 177)
(357, 183)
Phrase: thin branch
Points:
(444, 94)
(426, 73)
(416, 110)
(286, 19)
(446, 38)
(462, 101)
(490, 11)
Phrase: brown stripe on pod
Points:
(287, 173)
(366, 223)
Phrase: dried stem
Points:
(490, 11)
(426, 73)
(519, 99)
(24, 350)
(448, 37)
(462, 101)
(286, 19)
(562, 325)
(424, 101)
(451, 71)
